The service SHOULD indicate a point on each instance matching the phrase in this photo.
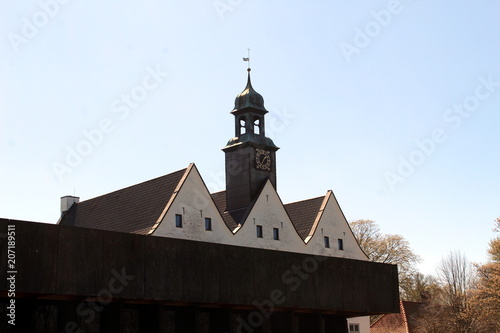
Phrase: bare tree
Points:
(457, 279)
(433, 318)
(422, 288)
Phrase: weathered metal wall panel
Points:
(122, 254)
(64, 260)
(36, 256)
(237, 270)
(330, 284)
(79, 260)
(202, 272)
(355, 277)
(164, 278)
(383, 287)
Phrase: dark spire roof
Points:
(249, 98)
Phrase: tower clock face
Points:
(263, 159)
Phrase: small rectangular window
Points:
(353, 328)
(327, 242)
(178, 220)
(276, 233)
(341, 244)
(259, 231)
(208, 223)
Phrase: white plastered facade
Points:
(193, 202)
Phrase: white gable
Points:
(269, 213)
(194, 204)
(332, 223)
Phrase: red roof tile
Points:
(403, 322)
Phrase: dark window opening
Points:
(208, 223)
(327, 242)
(256, 125)
(341, 244)
(243, 128)
(259, 231)
(178, 220)
(276, 234)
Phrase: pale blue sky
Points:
(345, 119)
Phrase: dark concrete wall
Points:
(58, 262)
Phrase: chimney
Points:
(67, 201)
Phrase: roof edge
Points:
(318, 216)
(172, 198)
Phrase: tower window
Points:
(256, 125)
(243, 128)
(208, 223)
(276, 234)
(327, 242)
(341, 244)
(259, 231)
(178, 220)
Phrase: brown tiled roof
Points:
(303, 214)
(410, 310)
(403, 322)
(134, 209)
(232, 218)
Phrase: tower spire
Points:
(249, 151)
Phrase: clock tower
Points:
(250, 155)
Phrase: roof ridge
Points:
(218, 192)
(299, 201)
(405, 317)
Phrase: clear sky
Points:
(394, 105)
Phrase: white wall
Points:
(194, 203)
(333, 224)
(364, 323)
(268, 211)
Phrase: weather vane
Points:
(248, 59)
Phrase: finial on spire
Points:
(248, 59)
